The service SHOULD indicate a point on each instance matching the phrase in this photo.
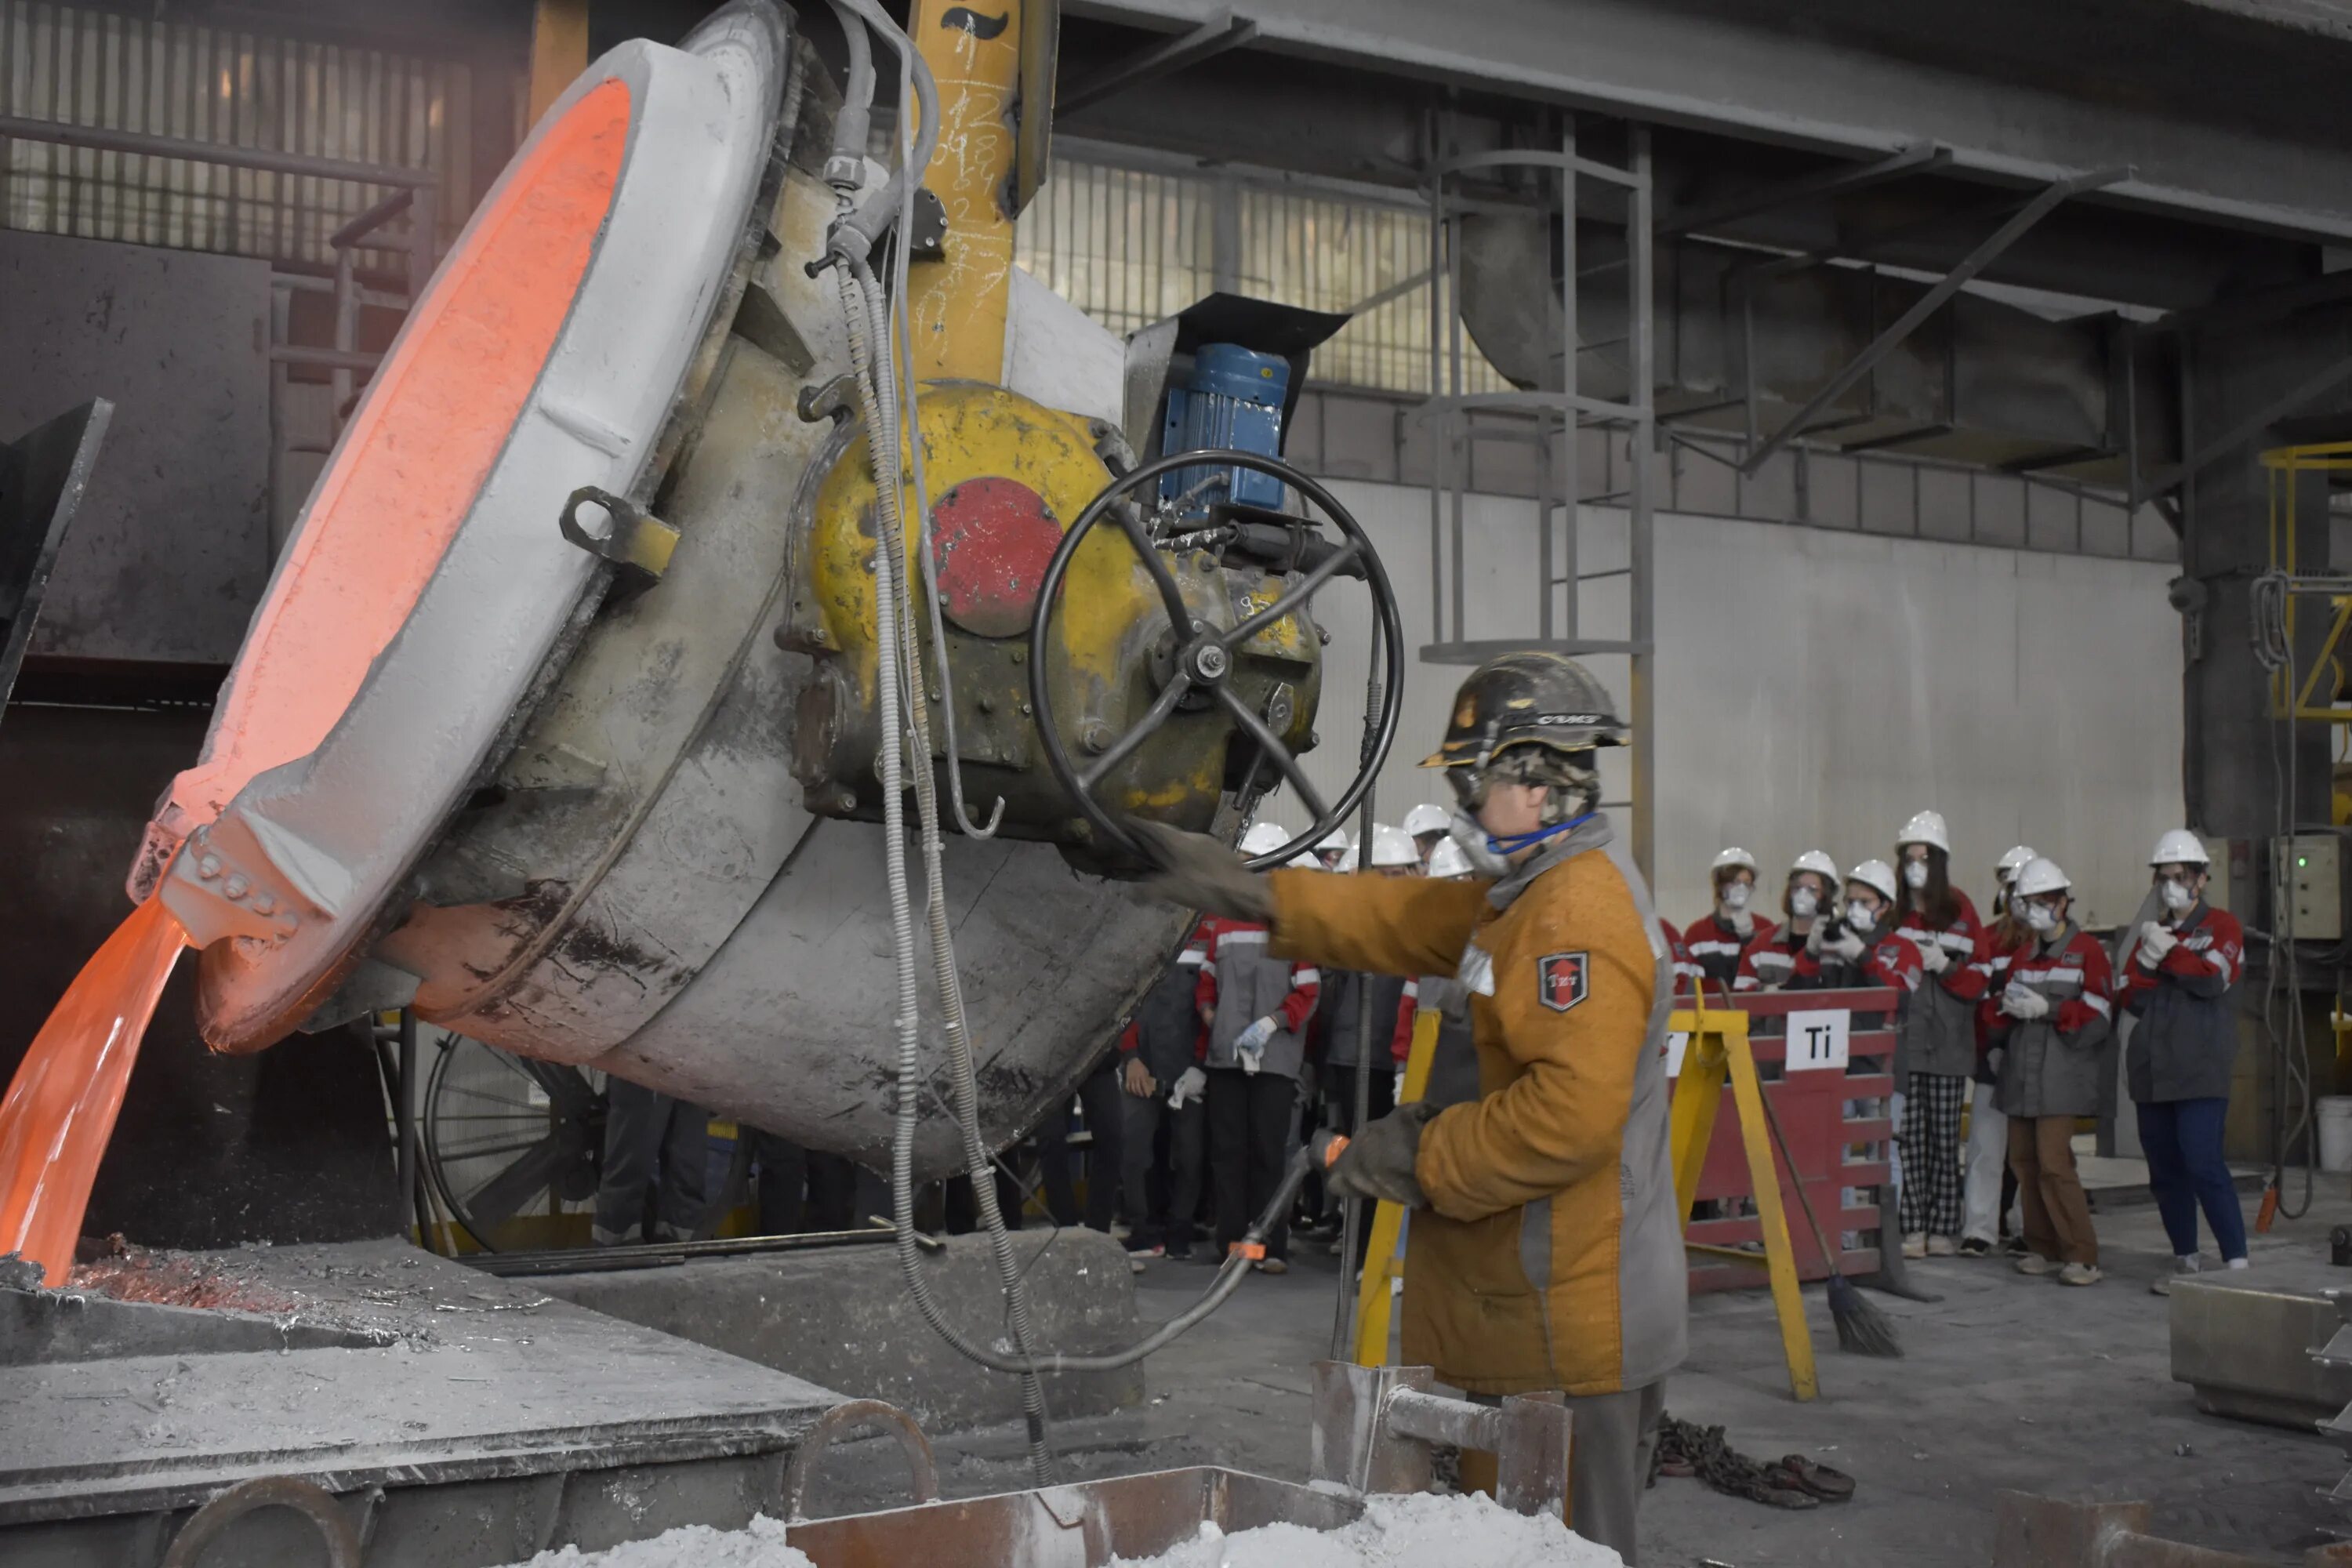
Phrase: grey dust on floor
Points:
(2007, 1383)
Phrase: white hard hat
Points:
(1392, 846)
(1304, 860)
(1733, 855)
(1448, 860)
(1927, 827)
(2180, 846)
(2040, 875)
(1426, 818)
(1264, 838)
(1875, 874)
(1338, 838)
(1815, 861)
(2015, 856)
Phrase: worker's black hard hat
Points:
(1533, 698)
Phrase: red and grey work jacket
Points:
(1714, 944)
(1242, 983)
(1891, 961)
(1686, 971)
(1771, 961)
(2058, 1064)
(1939, 1032)
(2187, 1037)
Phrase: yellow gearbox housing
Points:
(1006, 477)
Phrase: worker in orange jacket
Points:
(1545, 1253)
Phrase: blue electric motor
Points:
(1232, 399)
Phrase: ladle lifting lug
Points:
(632, 537)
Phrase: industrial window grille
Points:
(1129, 247)
(92, 68)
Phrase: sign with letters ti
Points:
(1818, 1040)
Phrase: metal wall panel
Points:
(170, 551)
(1815, 687)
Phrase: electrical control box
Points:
(2307, 887)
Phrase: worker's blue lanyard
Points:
(1517, 842)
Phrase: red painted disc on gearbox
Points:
(990, 541)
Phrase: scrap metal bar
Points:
(1918, 158)
(1212, 37)
(1928, 303)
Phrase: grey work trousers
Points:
(657, 1146)
(1610, 1438)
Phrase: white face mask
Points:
(2041, 918)
(1802, 903)
(1735, 896)
(1859, 918)
(1471, 837)
(1915, 874)
(2176, 894)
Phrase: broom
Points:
(1862, 1328)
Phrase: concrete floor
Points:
(2008, 1383)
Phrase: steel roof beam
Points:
(2234, 120)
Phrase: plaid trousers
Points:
(1932, 1181)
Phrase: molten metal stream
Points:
(61, 1105)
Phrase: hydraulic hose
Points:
(844, 170)
(881, 207)
(961, 1075)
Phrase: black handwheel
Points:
(1205, 654)
(506, 1136)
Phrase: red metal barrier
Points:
(1838, 1131)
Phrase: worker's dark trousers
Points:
(1160, 1195)
(1610, 1437)
(800, 1190)
(1099, 1097)
(2182, 1140)
(1249, 1138)
(650, 1138)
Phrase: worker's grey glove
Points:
(1197, 872)
(2024, 1002)
(1190, 1084)
(1933, 958)
(1378, 1162)
(2156, 943)
(1847, 946)
(1743, 922)
(1814, 940)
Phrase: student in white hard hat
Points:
(2177, 982)
(2012, 861)
(1936, 1048)
(2052, 1025)
(1809, 898)
(1426, 823)
(1333, 847)
(1860, 949)
(1989, 1195)
(1716, 939)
